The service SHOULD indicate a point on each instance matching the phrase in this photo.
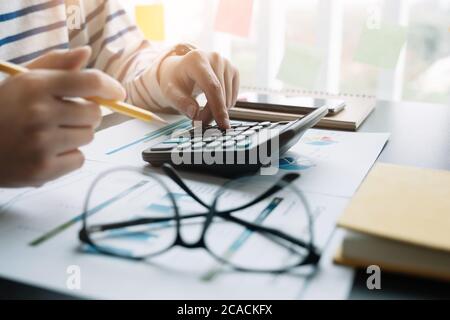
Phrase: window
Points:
(392, 49)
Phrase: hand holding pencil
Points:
(115, 105)
(41, 132)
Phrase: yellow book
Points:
(400, 220)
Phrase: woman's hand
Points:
(41, 133)
(182, 78)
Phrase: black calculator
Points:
(244, 149)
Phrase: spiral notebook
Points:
(358, 108)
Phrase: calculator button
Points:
(242, 128)
(163, 147)
(240, 138)
(198, 145)
(274, 125)
(229, 144)
(244, 144)
(181, 133)
(212, 133)
(214, 145)
(177, 140)
(184, 146)
(171, 141)
(236, 124)
(233, 133)
(249, 133)
(197, 139)
(208, 139)
(224, 138)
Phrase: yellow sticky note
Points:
(234, 17)
(150, 19)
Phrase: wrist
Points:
(179, 51)
(167, 67)
(153, 76)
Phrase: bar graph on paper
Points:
(43, 213)
(124, 143)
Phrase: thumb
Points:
(75, 59)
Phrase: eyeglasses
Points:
(252, 224)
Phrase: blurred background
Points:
(392, 49)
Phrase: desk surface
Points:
(420, 137)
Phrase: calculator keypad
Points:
(239, 137)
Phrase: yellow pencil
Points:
(118, 106)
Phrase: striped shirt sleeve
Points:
(120, 50)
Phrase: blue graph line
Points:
(167, 130)
(52, 233)
(245, 235)
(131, 235)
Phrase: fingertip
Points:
(82, 50)
(120, 93)
(192, 111)
(86, 53)
(80, 57)
(226, 124)
(86, 49)
(207, 116)
(223, 120)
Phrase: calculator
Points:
(242, 150)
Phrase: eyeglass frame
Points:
(312, 258)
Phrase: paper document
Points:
(42, 229)
(123, 144)
(331, 162)
(39, 227)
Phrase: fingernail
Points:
(192, 111)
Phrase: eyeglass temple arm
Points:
(248, 225)
(172, 174)
(274, 232)
(139, 222)
(313, 254)
(281, 184)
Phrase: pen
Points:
(118, 106)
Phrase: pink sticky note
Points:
(234, 17)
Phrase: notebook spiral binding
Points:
(291, 91)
